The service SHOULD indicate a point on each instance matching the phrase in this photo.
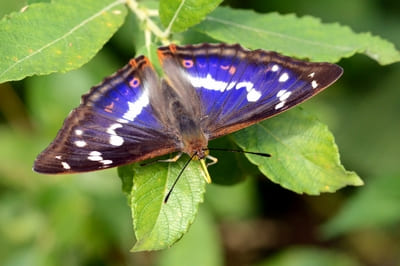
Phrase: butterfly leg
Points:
(171, 160)
(205, 170)
(213, 160)
(204, 166)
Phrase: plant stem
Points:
(151, 27)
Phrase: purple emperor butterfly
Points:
(209, 90)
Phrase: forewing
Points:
(114, 125)
(238, 87)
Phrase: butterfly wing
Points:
(238, 87)
(114, 125)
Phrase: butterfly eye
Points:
(187, 63)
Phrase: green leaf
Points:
(310, 256)
(67, 36)
(41, 89)
(125, 174)
(178, 15)
(10, 6)
(157, 224)
(305, 158)
(304, 37)
(382, 195)
(224, 172)
(203, 232)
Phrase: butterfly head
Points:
(196, 147)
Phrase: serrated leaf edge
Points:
(137, 245)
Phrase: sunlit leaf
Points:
(304, 37)
(57, 36)
(182, 14)
(305, 158)
(157, 224)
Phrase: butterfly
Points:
(208, 91)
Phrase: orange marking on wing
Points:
(187, 63)
(232, 70)
(267, 69)
(172, 48)
(109, 107)
(161, 56)
(133, 63)
(134, 83)
(147, 61)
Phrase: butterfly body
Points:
(184, 120)
(208, 90)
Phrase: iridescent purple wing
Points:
(238, 87)
(114, 125)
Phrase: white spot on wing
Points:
(314, 84)
(245, 84)
(253, 95)
(78, 132)
(105, 162)
(115, 140)
(135, 108)
(279, 105)
(80, 143)
(284, 77)
(95, 156)
(280, 93)
(311, 75)
(58, 157)
(209, 83)
(65, 165)
(113, 127)
(285, 96)
(121, 120)
(275, 68)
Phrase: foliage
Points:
(64, 39)
(81, 218)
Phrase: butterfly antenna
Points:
(241, 151)
(178, 177)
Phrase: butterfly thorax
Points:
(184, 121)
(193, 139)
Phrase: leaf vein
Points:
(175, 16)
(64, 36)
(277, 34)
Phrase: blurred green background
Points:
(85, 219)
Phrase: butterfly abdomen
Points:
(184, 122)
